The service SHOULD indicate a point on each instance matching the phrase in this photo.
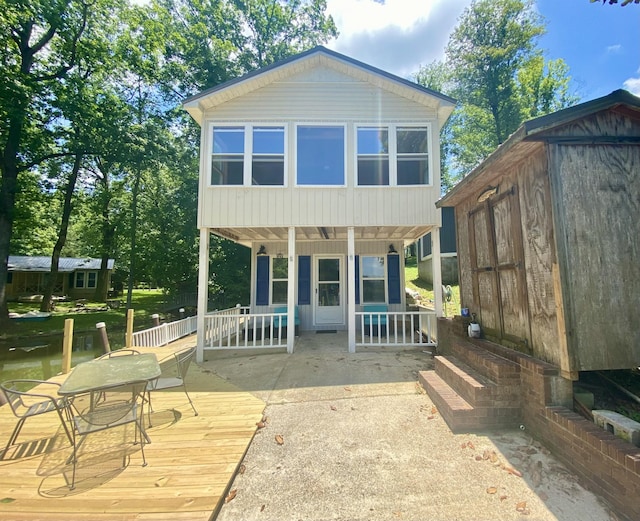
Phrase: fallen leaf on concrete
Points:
(471, 445)
(430, 417)
(242, 469)
(463, 446)
(334, 408)
(347, 388)
(262, 508)
(502, 498)
(434, 410)
(261, 425)
(279, 439)
(479, 458)
(492, 490)
(231, 495)
(522, 508)
(513, 471)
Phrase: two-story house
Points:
(326, 168)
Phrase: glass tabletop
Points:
(118, 370)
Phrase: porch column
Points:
(351, 288)
(291, 291)
(203, 290)
(437, 270)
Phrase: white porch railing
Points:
(165, 333)
(236, 328)
(396, 328)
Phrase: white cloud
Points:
(633, 85)
(394, 35)
(614, 49)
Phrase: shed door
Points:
(498, 269)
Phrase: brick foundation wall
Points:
(604, 463)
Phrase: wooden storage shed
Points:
(548, 237)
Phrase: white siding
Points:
(320, 95)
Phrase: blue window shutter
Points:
(393, 279)
(262, 281)
(357, 279)
(304, 280)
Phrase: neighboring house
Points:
(448, 253)
(77, 278)
(548, 231)
(326, 168)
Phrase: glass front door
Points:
(329, 294)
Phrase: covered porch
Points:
(348, 279)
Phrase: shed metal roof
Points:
(65, 264)
(539, 130)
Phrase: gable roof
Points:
(542, 129)
(197, 104)
(65, 264)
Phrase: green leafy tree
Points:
(612, 2)
(497, 73)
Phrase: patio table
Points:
(107, 372)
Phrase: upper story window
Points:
(373, 156)
(320, 155)
(393, 155)
(248, 155)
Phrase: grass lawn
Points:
(144, 302)
(426, 289)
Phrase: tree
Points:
(41, 43)
(497, 73)
(611, 2)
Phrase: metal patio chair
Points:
(174, 371)
(119, 352)
(118, 405)
(25, 404)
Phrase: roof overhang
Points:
(198, 104)
(535, 133)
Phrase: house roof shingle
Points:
(65, 264)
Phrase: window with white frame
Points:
(372, 271)
(85, 279)
(248, 155)
(373, 156)
(320, 155)
(279, 280)
(392, 155)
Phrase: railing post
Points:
(67, 345)
(102, 328)
(129, 335)
(156, 319)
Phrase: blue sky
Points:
(599, 43)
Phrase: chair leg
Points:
(14, 436)
(189, 397)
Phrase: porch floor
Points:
(191, 459)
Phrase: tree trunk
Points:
(134, 225)
(62, 235)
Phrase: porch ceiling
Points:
(246, 236)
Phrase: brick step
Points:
(468, 383)
(497, 369)
(459, 414)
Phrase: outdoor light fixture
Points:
(488, 192)
(392, 250)
(262, 250)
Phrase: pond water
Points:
(40, 358)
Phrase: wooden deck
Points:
(191, 459)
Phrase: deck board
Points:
(191, 460)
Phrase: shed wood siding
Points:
(598, 212)
(577, 176)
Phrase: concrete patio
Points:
(353, 436)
